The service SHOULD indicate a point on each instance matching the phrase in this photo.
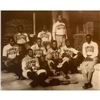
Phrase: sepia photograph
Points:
(50, 50)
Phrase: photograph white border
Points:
(49, 5)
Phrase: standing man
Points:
(59, 31)
(90, 53)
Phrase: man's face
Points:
(44, 28)
(30, 53)
(60, 18)
(88, 39)
(12, 43)
(67, 43)
(20, 29)
(39, 42)
(54, 45)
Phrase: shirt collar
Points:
(90, 42)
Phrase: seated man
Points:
(74, 57)
(45, 36)
(21, 38)
(38, 49)
(10, 57)
(90, 53)
(54, 52)
(31, 69)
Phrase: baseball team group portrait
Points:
(50, 50)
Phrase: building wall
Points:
(10, 28)
(10, 21)
(73, 19)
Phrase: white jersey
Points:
(10, 51)
(45, 36)
(29, 64)
(38, 50)
(59, 28)
(90, 50)
(69, 51)
(54, 53)
(21, 38)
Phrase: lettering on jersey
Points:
(69, 53)
(89, 49)
(12, 51)
(60, 26)
(55, 54)
(44, 35)
(21, 37)
(38, 52)
(31, 63)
